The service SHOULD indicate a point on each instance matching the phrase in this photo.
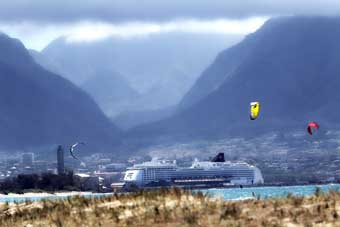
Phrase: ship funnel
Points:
(219, 158)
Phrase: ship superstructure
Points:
(217, 172)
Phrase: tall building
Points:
(60, 160)
(27, 159)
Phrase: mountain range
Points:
(159, 68)
(290, 65)
(40, 108)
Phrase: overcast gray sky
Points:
(157, 10)
(37, 22)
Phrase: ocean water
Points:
(225, 193)
(268, 192)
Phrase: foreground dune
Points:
(174, 208)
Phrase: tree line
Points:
(40, 182)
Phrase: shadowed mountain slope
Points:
(40, 108)
(290, 65)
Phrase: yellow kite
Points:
(254, 110)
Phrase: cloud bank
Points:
(38, 22)
(155, 10)
(37, 37)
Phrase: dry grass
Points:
(174, 208)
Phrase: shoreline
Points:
(62, 194)
(45, 194)
(82, 193)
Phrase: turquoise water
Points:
(269, 192)
(225, 193)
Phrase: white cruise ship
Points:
(216, 172)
